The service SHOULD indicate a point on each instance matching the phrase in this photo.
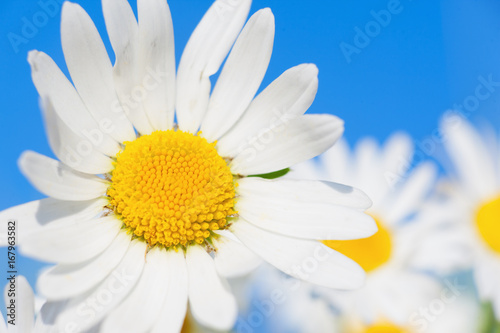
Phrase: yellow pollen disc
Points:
(383, 328)
(171, 188)
(370, 253)
(488, 223)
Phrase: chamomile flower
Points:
(146, 215)
(393, 288)
(475, 201)
(283, 304)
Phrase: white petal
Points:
(32, 216)
(51, 83)
(206, 49)
(301, 139)
(72, 243)
(300, 209)
(123, 33)
(65, 281)
(69, 146)
(336, 163)
(20, 291)
(397, 153)
(241, 76)
(368, 171)
(233, 259)
(87, 310)
(173, 310)
(157, 58)
(308, 191)
(45, 320)
(412, 193)
(134, 314)
(285, 98)
(90, 68)
(211, 303)
(304, 259)
(59, 181)
(467, 150)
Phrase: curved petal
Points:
(91, 71)
(51, 83)
(85, 311)
(233, 259)
(287, 97)
(157, 58)
(211, 303)
(278, 148)
(69, 146)
(173, 310)
(241, 75)
(303, 259)
(308, 191)
(25, 303)
(123, 33)
(70, 244)
(206, 49)
(65, 281)
(152, 286)
(32, 216)
(300, 209)
(59, 181)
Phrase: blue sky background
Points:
(425, 60)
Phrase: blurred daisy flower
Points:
(146, 213)
(475, 200)
(394, 287)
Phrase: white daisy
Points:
(459, 316)
(476, 202)
(145, 214)
(393, 287)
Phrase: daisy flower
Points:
(301, 309)
(393, 288)
(476, 202)
(147, 214)
(460, 316)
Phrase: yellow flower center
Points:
(488, 223)
(370, 253)
(171, 188)
(384, 328)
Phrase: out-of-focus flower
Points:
(393, 288)
(475, 200)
